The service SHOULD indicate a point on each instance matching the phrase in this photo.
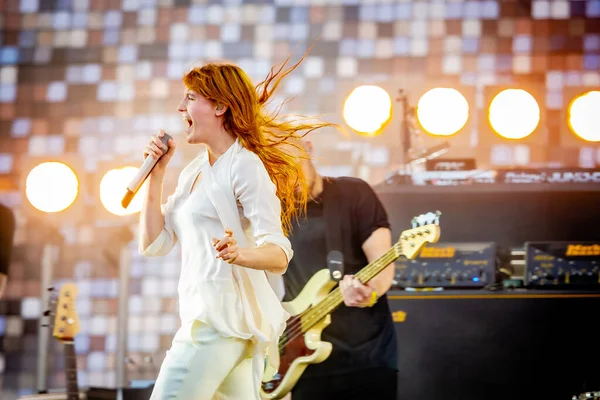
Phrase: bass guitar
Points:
(301, 345)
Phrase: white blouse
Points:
(225, 296)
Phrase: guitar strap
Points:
(334, 229)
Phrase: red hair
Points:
(263, 133)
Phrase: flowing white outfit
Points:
(236, 302)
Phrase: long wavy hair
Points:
(267, 134)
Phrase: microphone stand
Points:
(123, 315)
(49, 258)
(53, 241)
(414, 151)
(405, 139)
(119, 241)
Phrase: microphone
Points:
(143, 172)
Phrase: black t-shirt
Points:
(362, 338)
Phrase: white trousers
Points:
(203, 365)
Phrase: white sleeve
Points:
(166, 240)
(255, 191)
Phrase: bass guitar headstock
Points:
(425, 229)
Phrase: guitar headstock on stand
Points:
(66, 322)
(65, 326)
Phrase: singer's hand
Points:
(155, 149)
(226, 247)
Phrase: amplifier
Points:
(444, 265)
(562, 264)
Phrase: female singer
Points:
(230, 210)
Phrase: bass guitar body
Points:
(300, 349)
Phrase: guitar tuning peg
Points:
(50, 288)
(47, 313)
(45, 325)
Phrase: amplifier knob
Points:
(414, 277)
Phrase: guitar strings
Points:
(312, 315)
(329, 299)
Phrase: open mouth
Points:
(188, 121)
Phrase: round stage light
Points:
(367, 109)
(442, 111)
(51, 187)
(514, 114)
(112, 188)
(584, 116)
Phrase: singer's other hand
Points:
(226, 247)
(155, 149)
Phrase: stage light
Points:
(584, 116)
(514, 114)
(51, 187)
(112, 187)
(367, 109)
(442, 111)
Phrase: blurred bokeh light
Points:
(442, 111)
(367, 109)
(51, 187)
(584, 116)
(112, 188)
(514, 114)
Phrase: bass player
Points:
(363, 362)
